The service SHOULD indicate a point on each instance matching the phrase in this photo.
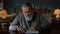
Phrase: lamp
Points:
(3, 14)
(57, 12)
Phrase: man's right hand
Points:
(21, 30)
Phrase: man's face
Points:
(26, 10)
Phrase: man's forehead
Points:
(25, 7)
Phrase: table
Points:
(4, 32)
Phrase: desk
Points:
(5, 20)
(4, 29)
(9, 15)
(4, 23)
(4, 32)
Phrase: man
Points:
(28, 20)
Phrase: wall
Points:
(38, 3)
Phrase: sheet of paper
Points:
(32, 32)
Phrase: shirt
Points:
(39, 21)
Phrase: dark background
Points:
(38, 3)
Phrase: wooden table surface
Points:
(4, 32)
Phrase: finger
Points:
(20, 30)
(23, 30)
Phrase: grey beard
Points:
(28, 19)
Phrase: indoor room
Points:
(29, 16)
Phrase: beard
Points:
(28, 16)
(27, 13)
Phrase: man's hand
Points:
(21, 30)
(33, 28)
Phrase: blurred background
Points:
(11, 8)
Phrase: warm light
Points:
(3, 14)
(57, 13)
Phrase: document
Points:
(31, 32)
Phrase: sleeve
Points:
(14, 24)
(44, 22)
